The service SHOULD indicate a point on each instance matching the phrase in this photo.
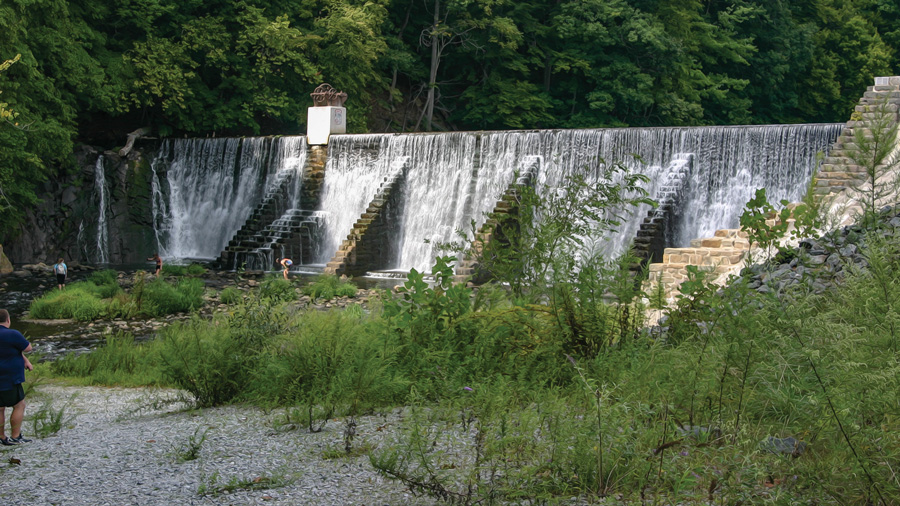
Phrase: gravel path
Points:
(122, 447)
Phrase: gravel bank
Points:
(122, 447)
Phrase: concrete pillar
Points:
(323, 121)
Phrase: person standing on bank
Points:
(158, 263)
(286, 263)
(61, 271)
(13, 363)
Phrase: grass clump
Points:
(47, 420)
(329, 286)
(277, 289)
(231, 295)
(100, 296)
(78, 301)
(165, 298)
(193, 269)
(120, 361)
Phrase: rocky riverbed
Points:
(52, 338)
(146, 447)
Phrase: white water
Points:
(102, 193)
(444, 193)
(204, 189)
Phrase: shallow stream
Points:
(54, 338)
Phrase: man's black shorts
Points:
(9, 398)
(60, 279)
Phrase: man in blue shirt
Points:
(13, 363)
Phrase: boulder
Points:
(783, 446)
(38, 267)
(6, 266)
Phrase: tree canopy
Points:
(93, 70)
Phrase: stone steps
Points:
(467, 267)
(369, 244)
(842, 169)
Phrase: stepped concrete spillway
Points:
(840, 184)
(246, 201)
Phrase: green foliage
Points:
(504, 404)
(193, 269)
(547, 239)
(5, 113)
(161, 298)
(329, 286)
(756, 222)
(214, 486)
(120, 361)
(874, 150)
(330, 359)
(211, 362)
(78, 301)
(190, 449)
(47, 420)
(277, 288)
(100, 296)
(231, 295)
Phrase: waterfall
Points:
(454, 178)
(102, 193)
(203, 190)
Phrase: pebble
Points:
(117, 448)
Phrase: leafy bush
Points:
(231, 295)
(277, 289)
(104, 283)
(78, 301)
(164, 298)
(173, 270)
(196, 270)
(120, 361)
(329, 286)
(211, 361)
(334, 358)
(193, 269)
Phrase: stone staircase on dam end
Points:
(276, 227)
(839, 177)
(369, 244)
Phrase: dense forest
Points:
(93, 70)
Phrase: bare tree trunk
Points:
(396, 71)
(435, 60)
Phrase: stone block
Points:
(714, 242)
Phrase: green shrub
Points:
(78, 301)
(119, 361)
(231, 295)
(196, 270)
(329, 286)
(193, 269)
(104, 277)
(104, 284)
(165, 298)
(173, 270)
(330, 358)
(277, 289)
(209, 360)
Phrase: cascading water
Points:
(455, 178)
(444, 193)
(204, 189)
(102, 193)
